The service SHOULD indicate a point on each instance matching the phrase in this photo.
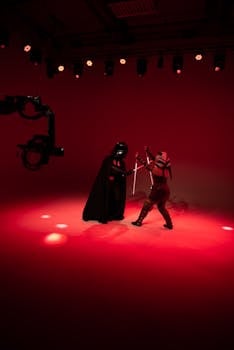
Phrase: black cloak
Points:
(107, 197)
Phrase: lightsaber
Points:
(138, 167)
(134, 178)
(151, 176)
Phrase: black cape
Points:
(106, 200)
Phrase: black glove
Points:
(129, 172)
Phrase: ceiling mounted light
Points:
(78, 69)
(61, 67)
(177, 64)
(141, 66)
(89, 62)
(27, 47)
(199, 55)
(123, 60)
(219, 62)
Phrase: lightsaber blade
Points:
(150, 174)
(134, 178)
(139, 167)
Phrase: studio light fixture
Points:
(27, 47)
(122, 60)
(141, 67)
(61, 68)
(177, 64)
(199, 55)
(78, 69)
(219, 62)
(89, 62)
(83, 64)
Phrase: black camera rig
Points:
(37, 151)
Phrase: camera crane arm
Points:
(42, 145)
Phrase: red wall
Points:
(191, 116)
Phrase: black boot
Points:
(167, 218)
(162, 209)
(144, 211)
(137, 223)
(169, 226)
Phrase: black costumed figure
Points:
(107, 197)
(159, 167)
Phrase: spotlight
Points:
(89, 63)
(122, 60)
(61, 67)
(78, 69)
(35, 56)
(198, 55)
(141, 66)
(109, 68)
(219, 61)
(177, 64)
(27, 47)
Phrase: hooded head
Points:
(120, 150)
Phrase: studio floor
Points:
(69, 284)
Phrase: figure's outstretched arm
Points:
(143, 162)
(149, 154)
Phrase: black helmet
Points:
(120, 150)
